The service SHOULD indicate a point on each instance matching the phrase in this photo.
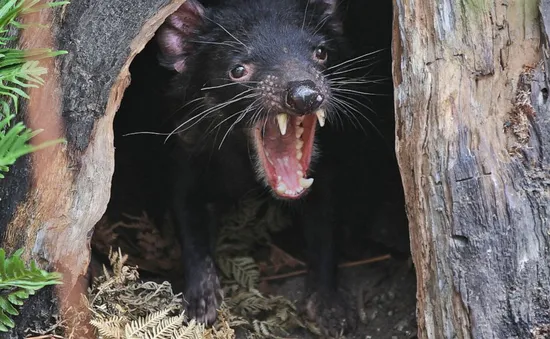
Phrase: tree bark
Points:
(473, 143)
(50, 200)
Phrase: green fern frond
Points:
(243, 269)
(17, 283)
(20, 70)
(11, 9)
(14, 143)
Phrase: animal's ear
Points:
(175, 31)
(329, 8)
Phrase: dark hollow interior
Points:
(372, 219)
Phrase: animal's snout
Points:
(303, 96)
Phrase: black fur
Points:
(217, 162)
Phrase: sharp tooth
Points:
(300, 173)
(299, 144)
(306, 183)
(281, 188)
(321, 117)
(282, 120)
(299, 131)
(299, 154)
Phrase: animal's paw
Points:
(204, 296)
(332, 313)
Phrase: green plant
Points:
(17, 283)
(19, 69)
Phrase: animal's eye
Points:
(238, 72)
(321, 53)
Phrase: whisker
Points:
(305, 16)
(347, 90)
(225, 43)
(226, 85)
(321, 24)
(239, 119)
(348, 105)
(203, 114)
(357, 102)
(226, 31)
(234, 114)
(357, 58)
(343, 111)
(355, 82)
(348, 70)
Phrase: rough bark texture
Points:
(51, 200)
(473, 142)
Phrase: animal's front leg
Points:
(203, 294)
(325, 303)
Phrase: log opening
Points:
(58, 205)
(140, 183)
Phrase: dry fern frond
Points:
(242, 269)
(193, 330)
(244, 230)
(140, 325)
(165, 328)
(110, 328)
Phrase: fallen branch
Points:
(344, 265)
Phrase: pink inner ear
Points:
(187, 18)
(177, 28)
(171, 42)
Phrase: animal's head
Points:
(263, 67)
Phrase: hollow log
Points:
(472, 139)
(50, 200)
(473, 145)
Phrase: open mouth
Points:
(284, 144)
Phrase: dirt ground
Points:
(384, 293)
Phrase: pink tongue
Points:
(281, 153)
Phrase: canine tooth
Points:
(299, 144)
(282, 120)
(306, 183)
(299, 131)
(281, 188)
(298, 154)
(321, 117)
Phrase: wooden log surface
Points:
(473, 143)
(50, 200)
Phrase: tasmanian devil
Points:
(255, 81)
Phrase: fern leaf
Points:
(243, 269)
(5, 322)
(193, 330)
(15, 143)
(165, 328)
(111, 328)
(17, 283)
(139, 325)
